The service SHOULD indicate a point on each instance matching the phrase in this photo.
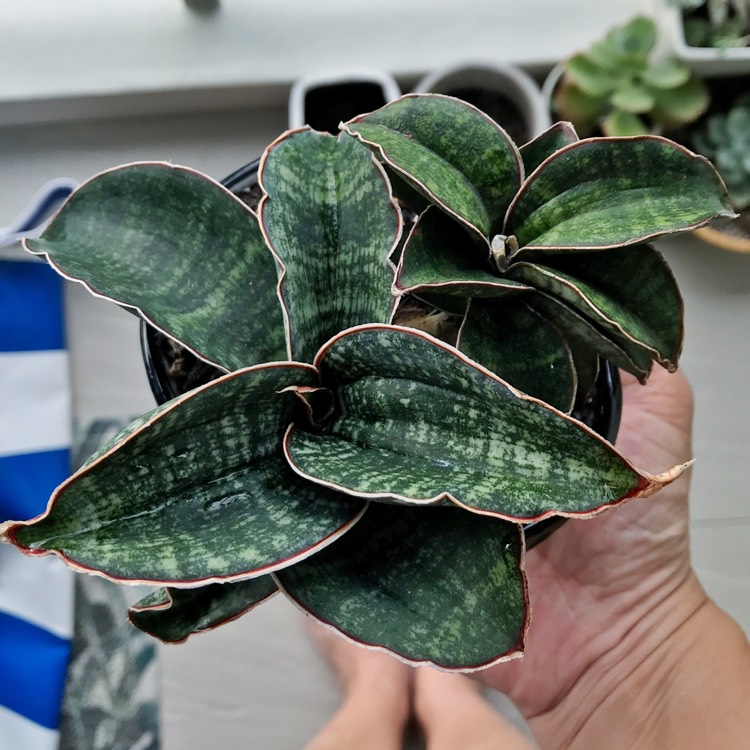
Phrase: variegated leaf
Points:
(520, 346)
(440, 258)
(584, 334)
(420, 423)
(534, 152)
(630, 292)
(195, 491)
(451, 152)
(173, 615)
(331, 221)
(609, 192)
(431, 585)
(181, 249)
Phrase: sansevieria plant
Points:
(377, 476)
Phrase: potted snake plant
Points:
(377, 475)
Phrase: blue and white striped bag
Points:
(36, 595)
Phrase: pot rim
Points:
(331, 78)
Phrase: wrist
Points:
(682, 670)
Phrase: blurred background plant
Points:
(621, 87)
(725, 139)
(715, 23)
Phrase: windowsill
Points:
(82, 59)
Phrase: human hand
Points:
(605, 589)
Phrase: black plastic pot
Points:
(322, 100)
(601, 411)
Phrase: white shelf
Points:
(109, 57)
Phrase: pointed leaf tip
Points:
(656, 482)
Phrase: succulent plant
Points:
(376, 475)
(724, 23)
(617, 86)
(725, 140)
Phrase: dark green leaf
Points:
(439, 257)
(180, 248)
(629, 292)
(197, 490)
(173, 615)
(521, 347)
(432, 585)
(605, 192)
(451, 152)
(330, 218)
(535, 152)
(582, 333)
(419, 423)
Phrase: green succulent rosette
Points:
(621, 87)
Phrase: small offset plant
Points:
(377, 476)
(618, 87)
(716, 23)
(725, 140)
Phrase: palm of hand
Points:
(593, 581)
